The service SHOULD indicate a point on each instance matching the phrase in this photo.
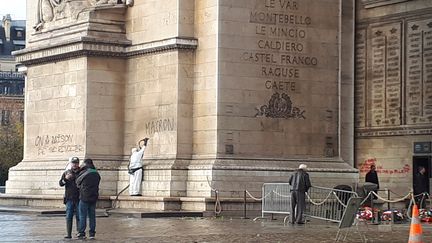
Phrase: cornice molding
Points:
(379, 3)
(92, 47)
(389, 132)
(162, 45)
(414, 14)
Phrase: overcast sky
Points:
(16, 8)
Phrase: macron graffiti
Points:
(365, 167)
(160, 125)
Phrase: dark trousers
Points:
(71, 209)
(298, 205)
(90, 210)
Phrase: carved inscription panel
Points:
(283, 57)
(384, 82)
(281, 49)
(419, 72)
(289, 54)
(360, 78)
(393, 84)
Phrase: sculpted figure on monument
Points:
(46, 11)
(51, 10)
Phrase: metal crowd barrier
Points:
(321, 203)
(276, 198)
(327, 203)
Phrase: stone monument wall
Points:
(231, 93)
(74, 94)
(281, 97)
(278, 79)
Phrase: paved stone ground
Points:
(31, 228)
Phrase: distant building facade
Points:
(11, 98)
(12, 38)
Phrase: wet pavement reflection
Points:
(36, 228)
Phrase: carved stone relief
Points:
(280, 107)
(53, 10)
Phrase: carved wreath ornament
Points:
(280, 107)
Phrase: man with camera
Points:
(71, 196)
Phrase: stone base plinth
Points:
(231, 177)
(189, 185)
(222, 207)
(152, 203)
(228, 206)
(43, 201)
(42, 177)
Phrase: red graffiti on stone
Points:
(365, 167)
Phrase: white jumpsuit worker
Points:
(136, 177)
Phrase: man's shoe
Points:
(91, 237)
(300, 222)
(81, 237)
(68, 237)
(136, 195)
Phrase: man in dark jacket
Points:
(88, 183)
(300, 184)
(71, 196)
(372, 177)
(421, 186)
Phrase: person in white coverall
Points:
(135, 170)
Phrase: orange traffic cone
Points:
(416, 232)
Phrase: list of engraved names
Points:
(283, 47)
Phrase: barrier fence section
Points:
(327, 203)
(276, 198)
(321, 203)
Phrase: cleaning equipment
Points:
(416, 232)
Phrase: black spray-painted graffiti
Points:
(280, 107)
(161, 125)
(59, 143)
